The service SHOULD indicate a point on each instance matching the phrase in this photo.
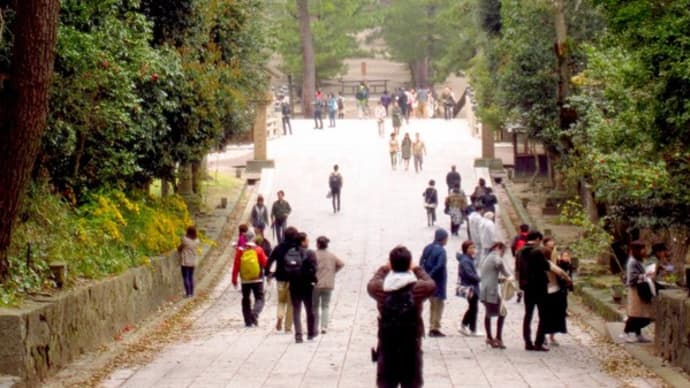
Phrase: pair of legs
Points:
(318, 121)
(394, 159)
(380, 126)
(447, 111)
(251, 315)
(279, 226)
(406, 163)
(331, 119)
(322, 300)
(435, 314)
(302, 295)
(286, 125)
(532, 301)
(635, 325)
(493, 310)
(188, 280)
(335, 198)
(392, 371)
(341, 114)
(470, 317)
(430, 216)
(418, 160)
(284, 306)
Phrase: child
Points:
(187, 252)
(242, 236)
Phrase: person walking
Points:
(430, 203)
(327, 265)
(448, 103)
(380, 114)
(301, 267)
(479, 192)
(639, 281)
(318, 110)
(393, 149)
(455, 206)
(400, 291)
(489, 200)
(285, 112)
(279, 214)
(418, 152)
(402, 103)
(492, 299)
(187, 252)
(362, 97)
(250, 263)
(469, 281)
(453, 179)
(396, 119)
(385, 100)
(422, 99)
(259, 215)
(332, 106)
(335, 184)
(557, 296)
(406, 150)
(434, 262)
(284, 307)
(474, 221)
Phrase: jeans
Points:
(251, 315)
(303, 295)
(279, 226)
(318, 121)
(331, 118)
(188, 280)
(532, 301)
(418, 160)
(286, 124)
(435, 313)
(284, 304)
(470, 317)
(335, 198)
(322, 299)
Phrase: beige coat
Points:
(636, 307)
(327, 264)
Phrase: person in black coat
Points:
(453, 179)
(302, 290)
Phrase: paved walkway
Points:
(380, 208)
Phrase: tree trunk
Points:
(308, 60)
(24, 107)
(488, 140)
(567, 115)
(184, 179)
(165, 188)
(196, 177)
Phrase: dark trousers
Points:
(636, 324)
(335, 198)
(279, 228)
(470, 317)
(392, 372)
(331, 119)
(286, 124)
(303, 295)
(251, 315)
(188, 280)
(532, 301)
(318, 121)
(447, 111)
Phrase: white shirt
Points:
(474, 220)
(487, 233)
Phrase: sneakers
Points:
(476, 333)
(642, 339)
(628, 337)
(464, 330)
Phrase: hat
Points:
(440, 234)
(249, 235)
(322, 240)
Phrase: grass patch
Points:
(108, 234)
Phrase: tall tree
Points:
(308, 64)
(23, 107)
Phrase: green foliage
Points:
(110, 233)
(593, 239)
(333, 25)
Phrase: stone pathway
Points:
(380, 209)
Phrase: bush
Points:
(108, 234)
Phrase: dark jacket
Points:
(467, 272)
(421, 290)
(430, 196)
(453, 179)
(307, 280)
(259, 216)
(278, 257)
(533, 266)
(280, 210)
(433, 261)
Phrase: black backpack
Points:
(334, 181)
(294, 259)
(398, 329)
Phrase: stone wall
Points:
(672, 328)
(44, 335)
